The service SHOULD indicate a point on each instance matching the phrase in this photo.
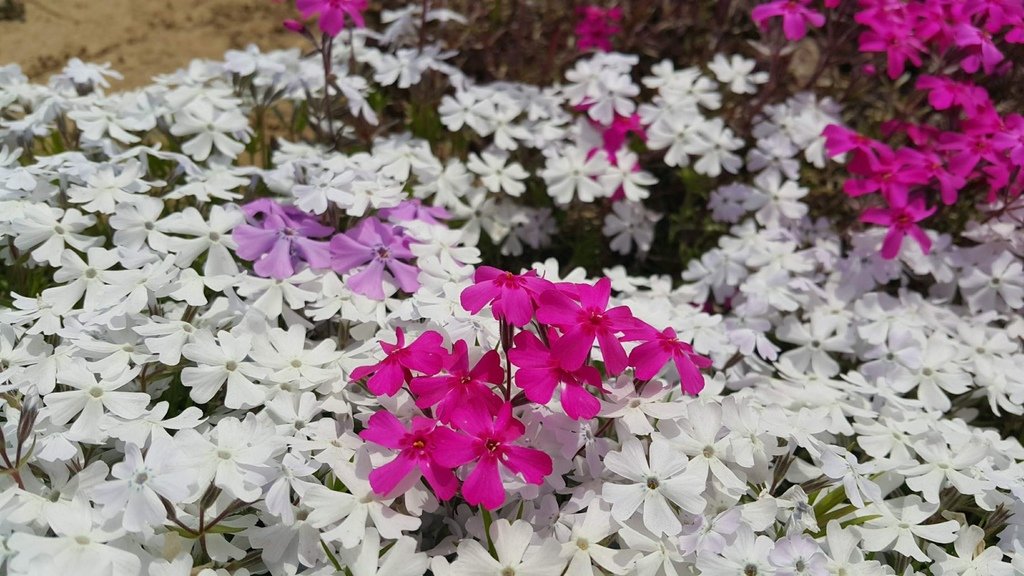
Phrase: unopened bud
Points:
(29, 415)
(294, 26)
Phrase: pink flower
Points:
(944, 93)
(796, 17)
(490, 443)
(278, 238)
(887, 172)
(376, 247)
(596, 27)
(417, 454)
(840, 139)
(614, 136)
(579, 311)
(1011, 139)
(901, 217)
(899, 44)
(512, 297)
(981, 50)
(424, 355)
(972, 143)
(462, 393)
(659, 348)
(332, 13)
(540, 372)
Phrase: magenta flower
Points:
(981, 50)
(278, 238)
(596, 27)
(512, 297)
(376, 247)
(901, 217)
(540, 372)
(579, 311)
(332, 13)
(840, 139)
(889, 172)
(461, 394)
(490, 443)
(424, 355)
(796, 17)
(416, 457)
(944, 93)
(1010, 140)
(659, 348)
(899, 44)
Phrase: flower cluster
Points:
(468, 412)
(961, 142)
(596, 27)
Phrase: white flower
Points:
(497, 173)
(211, 236)
(941, 465)
(105, 189)
(91, 399)
(626, 173)
(79, 546)
(798, 555)
(630, 223)
(665, 479)
(901, 522)
(747, 554)
(845, 557)
(972, 558)
(141, 482)
(516, 555)
(584, 550)
(572, 172)
(209, 129)
(737, 72)
(46, 231)
(715, 143)
(401, 559)
(223, 360)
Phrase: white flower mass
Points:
(165, 411)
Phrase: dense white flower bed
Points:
(168, 411)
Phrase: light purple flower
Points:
(277, 238)
(376, 247)
(410, 210)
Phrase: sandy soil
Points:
(140, 38)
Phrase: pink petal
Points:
(253, 242)
(892, 243)
(516, 306)
(369, 281)
(441, 479)
(277, 263)
(475, 297)
(557, 308)
(573, 348)
(405, 275)
(533, 464)
(648, 359)
(537, 383)
(385, 429)
(578, 403)
(388, 380)
(384, 479)
(612, 353)
(451, 449)
(483, 485)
